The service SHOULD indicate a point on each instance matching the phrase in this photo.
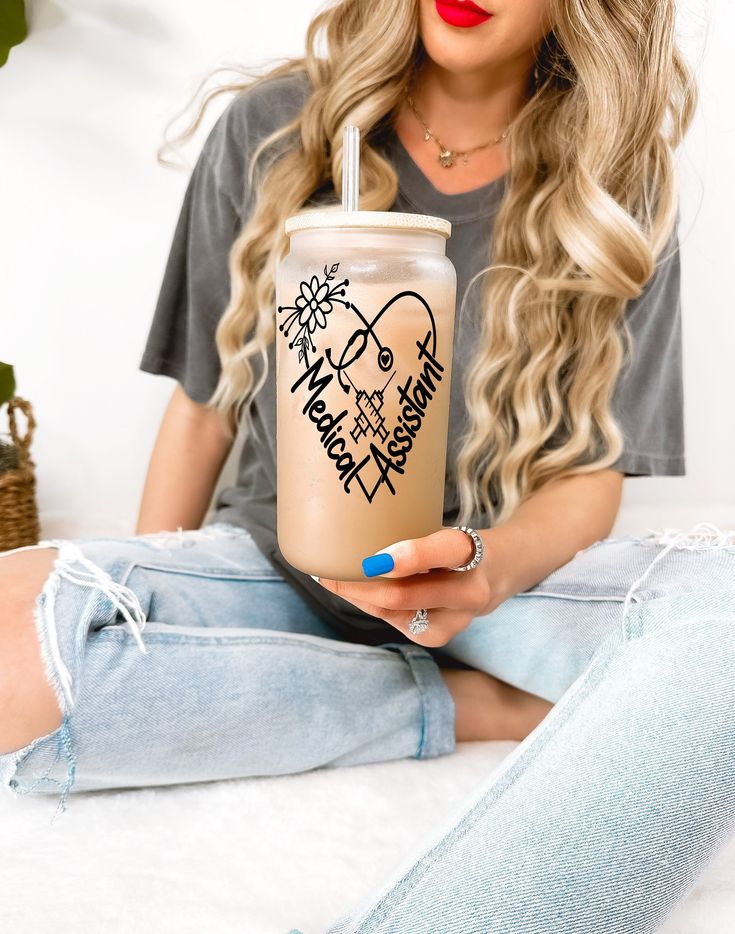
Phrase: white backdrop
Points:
(87, 217)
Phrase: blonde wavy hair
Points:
(589, 207)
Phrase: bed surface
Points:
(252, 856)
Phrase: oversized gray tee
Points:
(648, 398)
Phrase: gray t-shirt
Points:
(648, 399)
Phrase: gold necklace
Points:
(446, 156)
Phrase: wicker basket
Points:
(19, 523)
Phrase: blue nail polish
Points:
(377, 564)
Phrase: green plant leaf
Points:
(7, 383)
(13, 26)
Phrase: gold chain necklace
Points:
(446, 156)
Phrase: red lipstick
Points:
(462, 13)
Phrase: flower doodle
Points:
(312, 306)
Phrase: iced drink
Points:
(364, 338)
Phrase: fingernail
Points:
(377, 564)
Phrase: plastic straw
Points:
(350, 167)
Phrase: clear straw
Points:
(350, 167)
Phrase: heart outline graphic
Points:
(311, 310)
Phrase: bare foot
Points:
(490, 709)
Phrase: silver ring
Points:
(479, 548)
(419, 623)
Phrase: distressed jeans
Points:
(184, 656)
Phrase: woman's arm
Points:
(549, 528)
(190, 450)
(544, 532)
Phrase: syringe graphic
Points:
(369, 417)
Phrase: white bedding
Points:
(252, 856)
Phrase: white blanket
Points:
(251, 856)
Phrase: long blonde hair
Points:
(588, 210)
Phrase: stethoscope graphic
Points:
(358, 341)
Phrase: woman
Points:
(540, 130)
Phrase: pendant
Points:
(446, 157)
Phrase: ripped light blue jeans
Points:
(181, 657)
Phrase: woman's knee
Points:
(28, 704)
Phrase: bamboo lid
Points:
(386, 219)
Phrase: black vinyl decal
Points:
(388, 446)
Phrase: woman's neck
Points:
(463, 110)
(467, 108)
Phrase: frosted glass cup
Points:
(364, 338)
